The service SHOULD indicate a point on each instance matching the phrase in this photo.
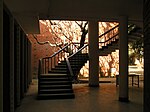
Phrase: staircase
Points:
(76, 62)
(55, 79)
(57, 73)
(55, 86)
(134, 33)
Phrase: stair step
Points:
(60, 68)
(53, 75)
(55, 87)
(54, 82)
(65, 67)
(77, 60)
(56, 96)
(54, 79)
(61, 65)
(55, 91)
(81, 57)
(58, 71)
(73, 66)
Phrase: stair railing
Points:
(46, 64)
(109, 36)
(69, 68)
(49, 62)
(82, 50)
(112, 34)
(39, 72)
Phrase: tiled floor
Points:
(87, 99)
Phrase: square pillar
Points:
(22, 49)
(123, 59)
(93, 54)
(17, 65)
(1, 55)
(11, 64)
(146, 56)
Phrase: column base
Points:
(123, 99)
(90, 85)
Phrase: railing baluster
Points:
(50, 64)
(57, 60)
(47, 65)
(54, 61)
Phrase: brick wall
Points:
(41, 51)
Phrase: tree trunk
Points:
(83, 36)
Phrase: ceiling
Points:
(28, 12)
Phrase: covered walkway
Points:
(87, 99)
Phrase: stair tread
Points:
(53, 74)
(58, 70)
(55, 96)
(43, 82)
(54, 85)
(53, 78)
(55, 89)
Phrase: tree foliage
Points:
(62, 32)
(137, 50)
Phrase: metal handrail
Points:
(79, 50)
(108, 31)
(131, 27)
(108, 36)
(57, 52)
(72, 75)
(49, 62)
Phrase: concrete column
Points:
(123, 59)
(25, 63)
(18, 101)
(93, 54)
(1, 55)
(29, 62)
(12, 64)
(22, 64)
(146, 56)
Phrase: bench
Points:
(133, 77)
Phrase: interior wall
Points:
(15, 51)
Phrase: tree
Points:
(84, 31)
(136, 48)
(59, 33)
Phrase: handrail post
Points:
(39, 68)
(40, 71)
(69, 67)
(51, 63)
